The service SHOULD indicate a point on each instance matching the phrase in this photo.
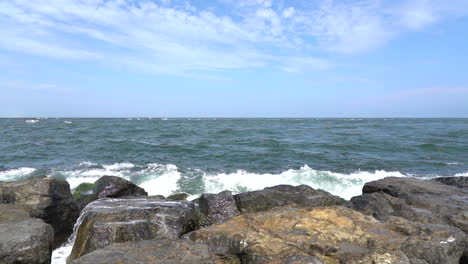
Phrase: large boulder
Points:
(45, 198)
(161, 251)
(460, 182)
(425, 202)
(330, 235)
(112, 186)
(416, 200)
(217, 208)
(23, 239)
(106, 186)
(107, 221)
(284, 234)
(284, 195)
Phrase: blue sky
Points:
(226, 58)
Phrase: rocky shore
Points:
(395, 220)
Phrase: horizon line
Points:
(195, 117)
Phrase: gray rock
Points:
(155, 252)
(416, 200)
(429, 243)
(425, 202)
(112, 186)
(23, 239)
(107, 221)
(217, 208)
(45, 198)
(460, 182)
(106, 186)
(284, 195)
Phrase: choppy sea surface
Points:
(197, 156)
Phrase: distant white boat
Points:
(32, 121)
(68, 122)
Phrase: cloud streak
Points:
(176, 37)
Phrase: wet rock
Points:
(178, 197)
(23, 239)
(305, 235)
(45, 198)
(107, 221)
(106, 186)
(460, 182)
(217, 208)
(151, 251)
(112, 186)
(284, 195)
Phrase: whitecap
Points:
(343, 185)
(32, 121)
(68, 122)
(15, 174)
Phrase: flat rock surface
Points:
(107, 221)
(330, 234)
(284, 195)
(151, 252)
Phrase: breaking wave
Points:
(166, 179)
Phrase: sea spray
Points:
(60, 255)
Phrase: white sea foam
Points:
(15, 174)
(90, 175)
(163, 179)
(462, 174)
(68, 122)
(119, 166)
(32, 121)
(87, 164)
(343, 185)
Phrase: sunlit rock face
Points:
(326, 234)
(107, 221)
(153, 251)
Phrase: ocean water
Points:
(197, 156)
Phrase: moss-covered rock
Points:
(84, 194)
(178, 197)
(83, 190)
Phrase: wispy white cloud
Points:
(177, 37)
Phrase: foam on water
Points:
(164, 181)
(16, 174)
(343, 185)
(32, 121)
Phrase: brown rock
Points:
(152, 251)
(330, 234)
